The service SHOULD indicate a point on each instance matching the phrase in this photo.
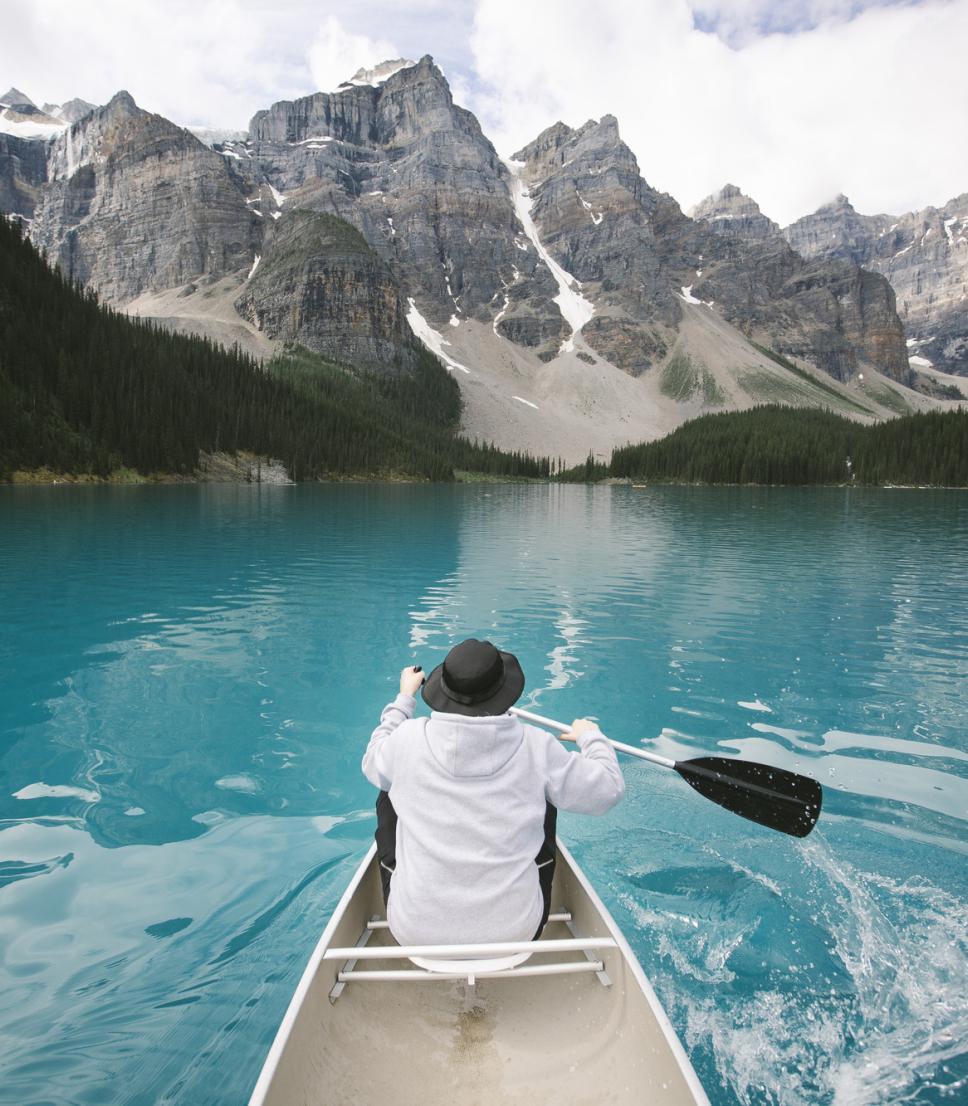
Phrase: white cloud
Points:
(337, 53)
(874, 106)
(739, 22)
(212, 62)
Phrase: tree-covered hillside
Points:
(84, 389)
(784, 445)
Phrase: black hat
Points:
(475, 679)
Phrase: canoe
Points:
(452, 1024)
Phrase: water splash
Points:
(870, 1012)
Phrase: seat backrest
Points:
(470, 965)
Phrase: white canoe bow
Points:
(371, 1023)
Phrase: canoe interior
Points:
(564, 1039)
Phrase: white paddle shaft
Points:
(630, 749)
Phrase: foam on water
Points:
(881, 1008)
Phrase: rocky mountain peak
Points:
(839, 203)
(729, 211)
(834, 230)
(595, 147)
(412, 101)
(121, 103)
(550, 139)
(70, 111)
(14, 98)
(924, 254)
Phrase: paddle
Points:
(774, 797)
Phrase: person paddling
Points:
(469, 798)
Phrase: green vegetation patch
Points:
(887, 397)
(679, 378)
(828, 389)
(767, 387)
(682, 378)
(712, 394)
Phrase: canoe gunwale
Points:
(306, 981)
(618, 944)
(638, 974)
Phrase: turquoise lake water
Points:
(189, 676)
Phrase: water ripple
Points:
(195, 672)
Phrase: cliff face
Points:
(133, 202)
(639, 258)
(318, 283)
(924, 255)
(23, 171)
(413, 172)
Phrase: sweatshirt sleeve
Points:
(588, 782)
(378, 758)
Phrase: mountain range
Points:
(578, 307)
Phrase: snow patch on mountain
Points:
(575, 309)
(377, 75)
(432, 339)
(23, 126)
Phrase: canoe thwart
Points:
(471, 973)
(497, 948)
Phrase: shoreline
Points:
(45, 478)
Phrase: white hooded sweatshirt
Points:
(470, 798)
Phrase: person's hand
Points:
(410, 679)
(579, 726)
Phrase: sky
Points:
(795, 101)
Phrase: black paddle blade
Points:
(773, 797)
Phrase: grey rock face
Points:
(729, 211)
(638, 257)
(924, 255)
(70, 111)
(134, 202)
(318, 282)
(23, 171)
(14, 98)
(607, 228)
(413, 172)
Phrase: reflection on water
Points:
(191, 674)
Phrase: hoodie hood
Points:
(465, 746)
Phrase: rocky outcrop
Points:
(318, 283)
(23, 171)
(638, 258)
(70, 111)
(133, 202)
(414, 173)
(924, 255)
(729, 211)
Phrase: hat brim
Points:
(436, 697)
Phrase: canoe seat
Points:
(470, 966)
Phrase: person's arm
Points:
(378, 758)
(589, 783)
